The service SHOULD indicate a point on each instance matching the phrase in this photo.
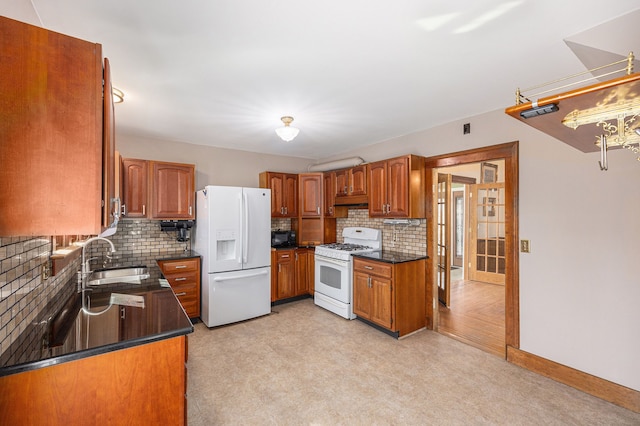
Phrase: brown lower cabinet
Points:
(144, 384)
(390, 295)
(184, 277)
(292, 273)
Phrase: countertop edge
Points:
(60, 359)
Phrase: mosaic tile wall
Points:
(283, 224)
(399, 238)
(136, 241)
(24, 294)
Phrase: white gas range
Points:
(334, 269)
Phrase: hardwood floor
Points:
(475, 315)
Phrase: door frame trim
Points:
(509, 152)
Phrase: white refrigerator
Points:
(233, 236)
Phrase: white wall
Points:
(214, 166)
(580, 285)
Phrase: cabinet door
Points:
(173, 191)
(328, 188)
(50, 132)
(286, 274)
(109, 206)
(310, 194)
(302, 271)
(358, 180)
(378, 188)
(290, 197)
(135, 186)
(342, 183)
(275, 182)
(398, 187)
(361, 295)
(381, 302)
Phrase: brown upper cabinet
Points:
(284, 193)
(135, 187)
(310, 194)
(397, 187)
(157, 189)
(351, 186)
(54, 135)
(328, 185)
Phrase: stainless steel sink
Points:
(132, 274)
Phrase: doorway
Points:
(491, 212)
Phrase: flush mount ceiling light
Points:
(118, 96)
(287, 133)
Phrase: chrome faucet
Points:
(85, 270)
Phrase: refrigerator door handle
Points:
(240, 277)
(245, 233)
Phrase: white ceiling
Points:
(351, 73)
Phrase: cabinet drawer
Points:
(185, 292)
(284, 255)
(183, 278)
(175, 266)
(191, 307)
(374, 268)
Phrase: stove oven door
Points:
(333, 278)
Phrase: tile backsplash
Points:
(24, 294)
(399, 238)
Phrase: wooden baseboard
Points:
(600, 388)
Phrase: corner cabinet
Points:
(52, 148)
(397, 188)
(284, 193)
(391, 296)
(184, 277)
(157, 189)
(292, 273)
(313, 227)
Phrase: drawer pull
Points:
(180, 279)
(184, 293)
(181, 266)
(285, 256)
(368, 267)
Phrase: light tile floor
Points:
(303, 365)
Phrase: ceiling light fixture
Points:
(287, 133)
(118, 96)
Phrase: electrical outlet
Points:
(45, 270)
(466, 128)
(525, 246)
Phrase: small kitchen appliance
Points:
(334, 269)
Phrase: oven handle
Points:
(330, 260)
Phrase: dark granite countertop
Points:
(387, 256)
(74, 334)
(292, 247)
